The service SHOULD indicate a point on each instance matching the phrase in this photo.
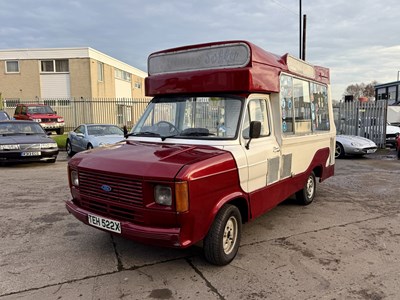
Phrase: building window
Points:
(100, 71)
(138, 85)
(122, 75)
(55, 65)
(12, 66)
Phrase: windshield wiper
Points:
(144, 133)
(196, 132)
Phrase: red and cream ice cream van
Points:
(231, 132)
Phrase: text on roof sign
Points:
(233, 55)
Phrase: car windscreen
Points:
(104, 130)
(40, 110)
(26, 128)
(189, 117)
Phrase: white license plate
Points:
(35, 153)
(104, 223)
(370, 151)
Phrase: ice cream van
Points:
(232, 131)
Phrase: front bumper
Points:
(52, 125)
(361, 151)
(166, 237)
(15, 156)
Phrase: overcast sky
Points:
(359, 40)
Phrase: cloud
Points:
(357, 40)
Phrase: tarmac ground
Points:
(345, 245)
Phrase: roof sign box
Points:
(298, 66)
(222, 56)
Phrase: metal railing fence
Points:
(366, 119)
(117, 111)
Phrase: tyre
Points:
(60, 131)
(51, 161)
(89, 146)
(398, 153)
(339, 151)
(223, 239)
(306, 195)
(68, 148)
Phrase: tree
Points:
(361, 90)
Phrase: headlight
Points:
(60, 120)
(74, 178)
(9, 147)
(37, 120)
(356, 144)
(163, 195)
(48, 145)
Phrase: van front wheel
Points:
(306, 195)
(223, 240)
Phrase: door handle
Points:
(276, 149)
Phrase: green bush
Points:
(60, 140)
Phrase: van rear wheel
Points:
(223, 240)
(306, 195)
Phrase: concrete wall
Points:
(22, 85)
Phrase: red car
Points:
(42, 114)
(398, 145)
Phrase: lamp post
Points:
(300, 27)
(398, 72)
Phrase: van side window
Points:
(286, 98)
(302, 106)
(319, 107)
(257, 110)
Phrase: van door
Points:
(263, 155)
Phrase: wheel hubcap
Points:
(337, 151)
(310, 187)
(230, 235)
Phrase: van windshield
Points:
(191, 117)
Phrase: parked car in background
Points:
(4, 115)
(353, 145)
(25, 141)
(88, 136)
(369, 128)
(391, 133)
(397, 144)
(42, 114)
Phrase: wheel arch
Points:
(318, 171)
(237, 199)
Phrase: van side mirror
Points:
(254, 132)
(255, 129)
(125, 129)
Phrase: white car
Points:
(89, 136)
(391, 133)
(353, 145)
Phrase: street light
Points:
(300, 28)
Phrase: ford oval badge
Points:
(106, 188)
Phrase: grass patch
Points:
(60, 140)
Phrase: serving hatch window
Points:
(304, 106)
(191, 117)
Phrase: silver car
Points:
(89, 136)
(353, 145)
